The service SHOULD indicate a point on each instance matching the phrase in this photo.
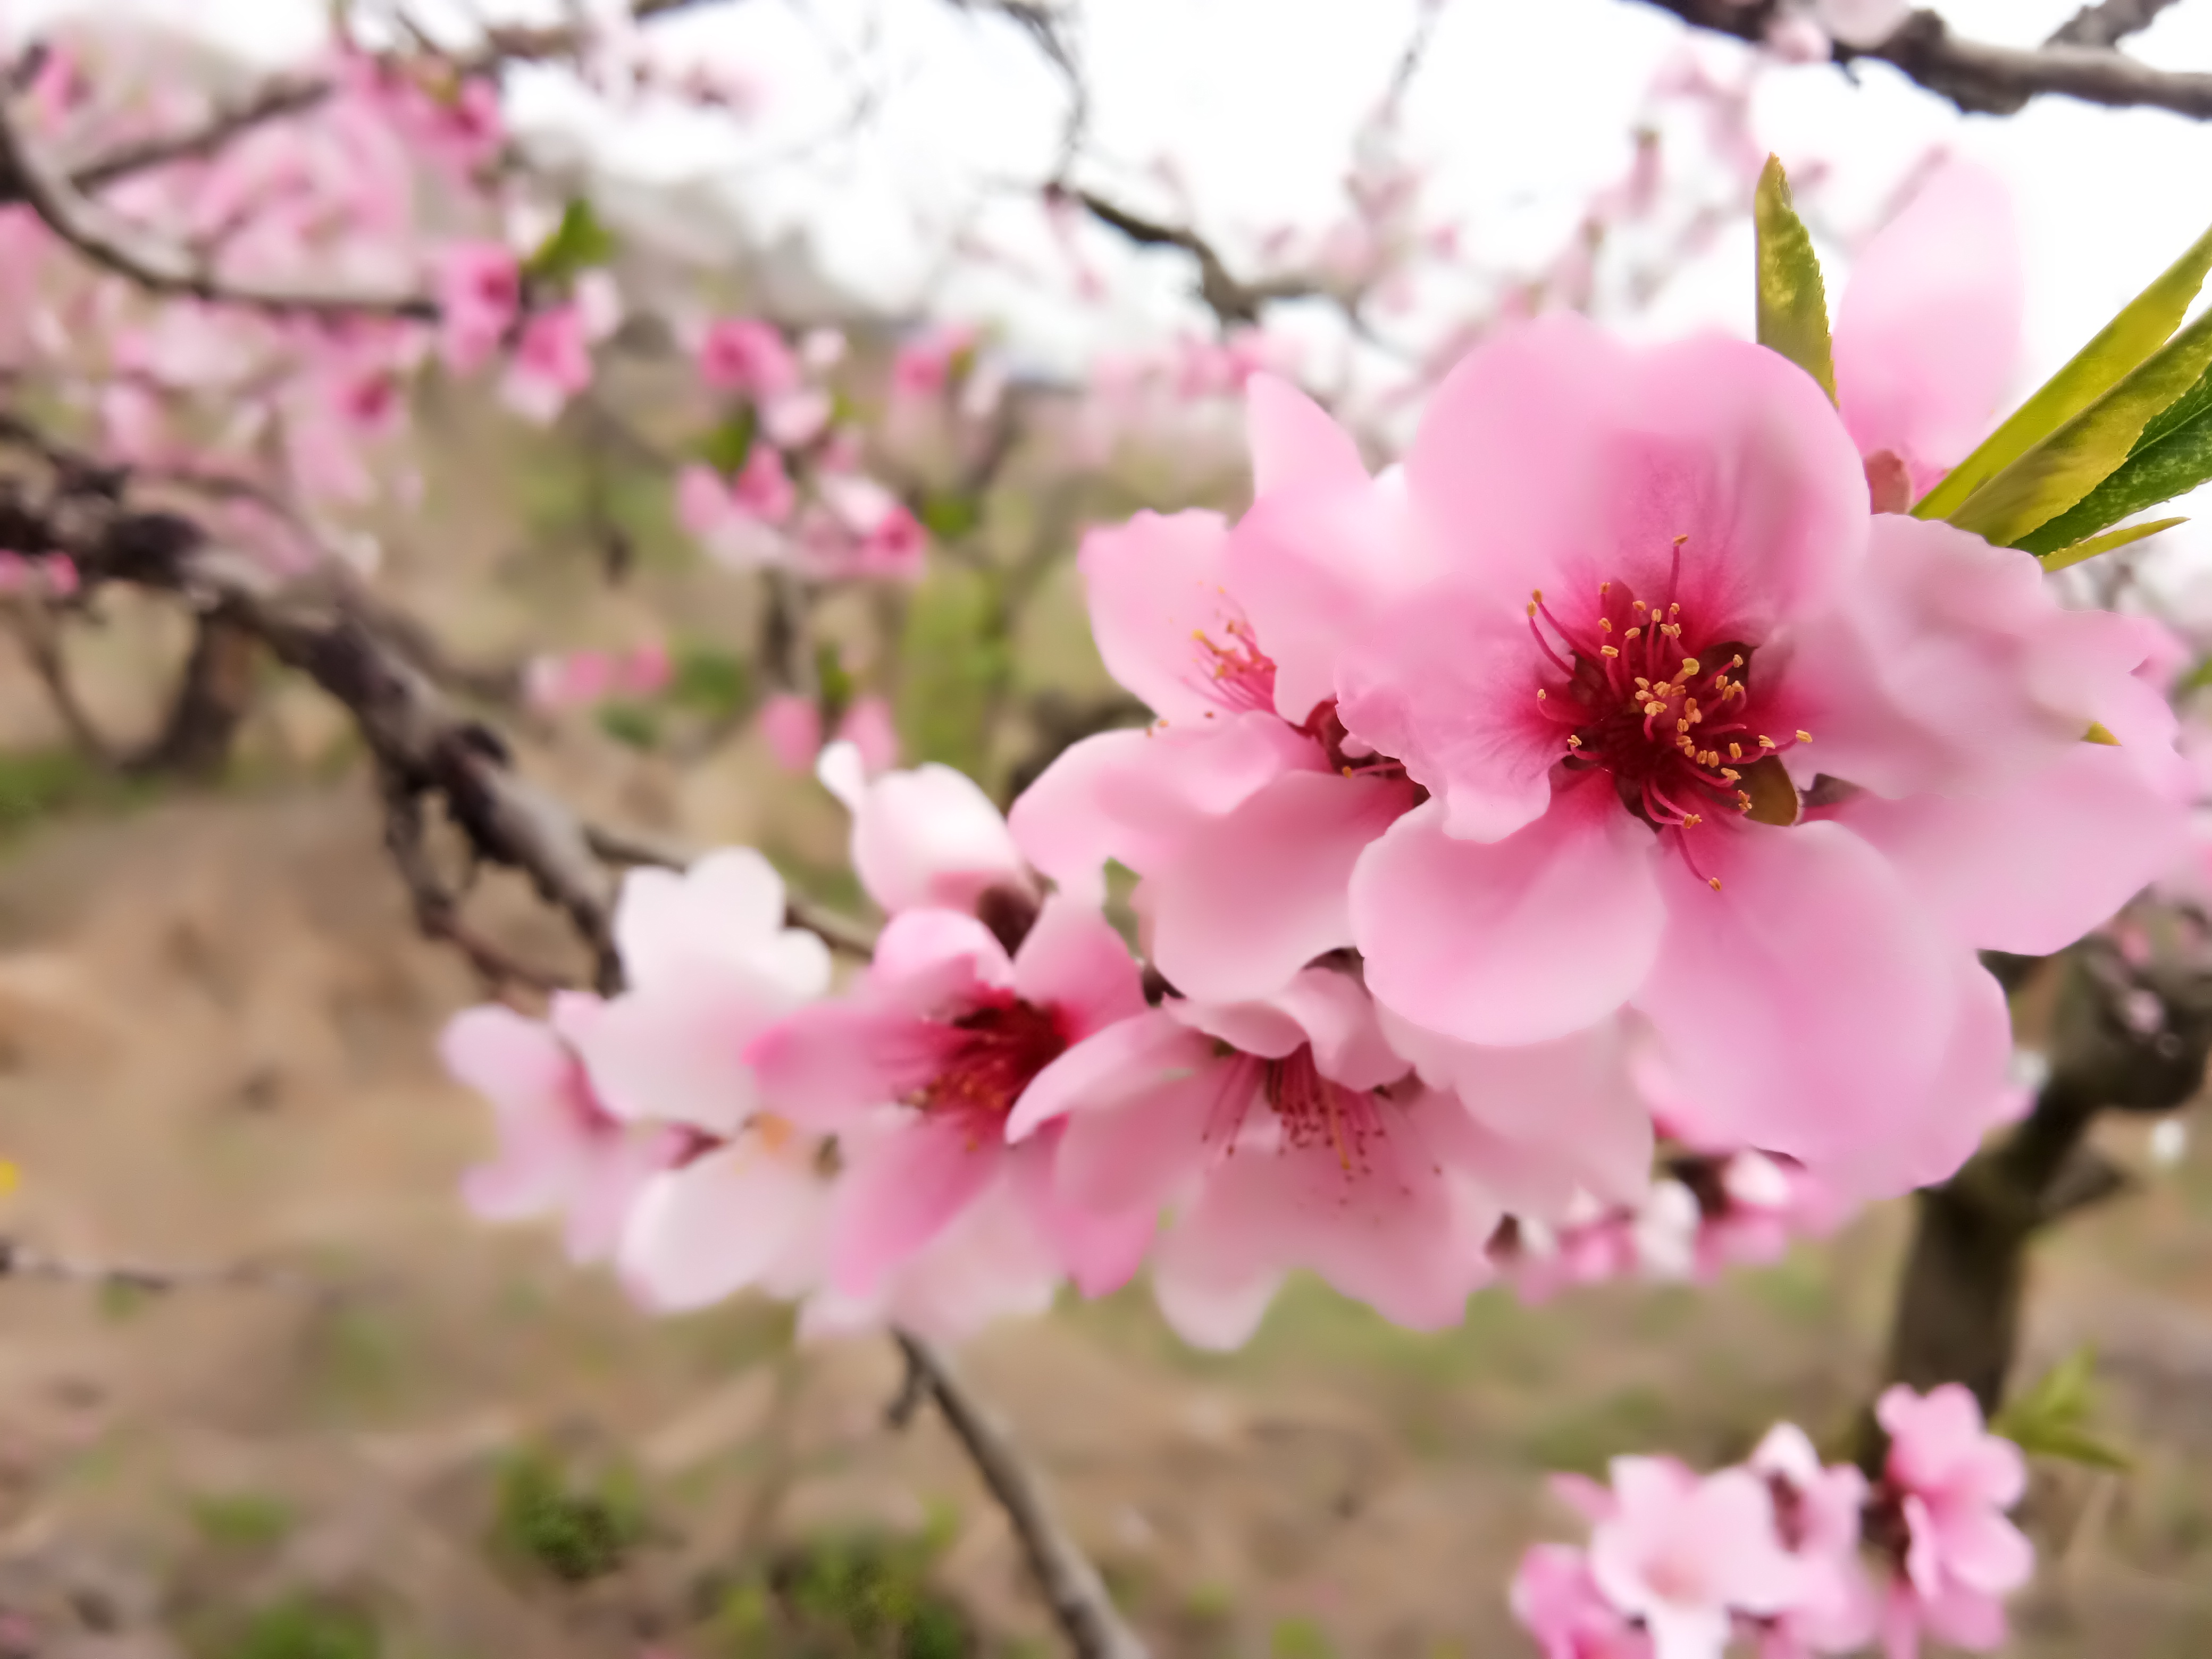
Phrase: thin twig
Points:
(1085, 1611)
(32, 623)
(2108, 24)
(437, 913)
(1978, 78)
(1230, 299)
(22, 1261)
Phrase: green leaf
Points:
(2082, 552)
(2049, 1419)
(949, 514)
(838, 686)
(1793, 302)
(2172, 457)
(578, 242)
(2145, 323)
(714, 682)
(2058, 471)
(729, 445)
(629, 723)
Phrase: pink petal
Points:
(1556, 458)
(1928, 334)
(900, 1193)
(1107, 1069)
(1074, 962)
(1206, 1304)
(1155, 587)
(2033, 869)
(1101, 1251)
(931, 836)
(927, 960)
(1446, 684)
(826, 1064)
(1986, 1553)
(1132, 796)
(718, 1224)
(1515, 941)
(1254, 896)
(1765, 991)
(1294, 439)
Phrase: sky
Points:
(1522, 108)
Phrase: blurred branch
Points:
(1992, 80)
(1229, 300)
(22, 1261)
(1080, 1605)
(2108, 24)
(436, 912)
(33, 625)
(104, 241)
(273, 102)
(1046, 26)
(210, 703)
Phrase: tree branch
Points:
(22, 1261)
(1229, 300)
(2108, 24)
(1980, 78)
(1085, 1611)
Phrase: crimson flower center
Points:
(1643, 692)
(988, 1055)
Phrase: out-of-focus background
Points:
(426, 1437)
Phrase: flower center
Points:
(1316, 1112)
(1642, 693)
(1238, 675)
(990, 1054)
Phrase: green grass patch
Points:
(241, 1521)
(557, 1523)
(861, 1596)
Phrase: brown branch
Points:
(1078, 1597)
(33, 624)
(22, 1261)
(1230, 299)
(102, 238)
(1978, 78)
(210, 703)
(437, 912)
(2108, 24)
(273, 102)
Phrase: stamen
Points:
(1804, 737)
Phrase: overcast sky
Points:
(1523, 106)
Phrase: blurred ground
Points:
(216, 1029)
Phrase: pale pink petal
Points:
(1156, 593)
(903, 1192)
(827, 1063)
(718, 1224)
(1131, 796)
(1206, 1305)
(1515, 941)
(1100, 1250)
(2034, 868)
(1556, 458)
(1254, 896)
(677, 1051)
(1142, 1149)
(1294, 441)
(1927, 333)
(926, 961)
(931, 836)
(1764, 993)
(1074, 962)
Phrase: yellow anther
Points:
(1532, 611)
(1609, 651)
(1713, 881)
(1691, 821)
(1605, 625)
(1639, 605)
(1681, 726)
(1804, 737)
(1767, 743)
(1679, 539)
(1736, 751)
(1537, 594)
(1690, 667)
(1735, 662)
(1673, 608)
(1728, 774)
(1604, 588)
(1574, 742)
(1540, 694)
(1632, 634)
(1655, 708)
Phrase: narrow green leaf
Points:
(729, 445)
(2082, 552)
(2100, 732)
(2172, 457)
(2146, 323)
(1793, 303)
(2055, 473)
(579, 240)
(2048, 1420)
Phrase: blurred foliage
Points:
(37, 783)
(712, 681)
(949, 514)
(633, 724)
(241, 1521)
(1299, 1638)
(299, 1628)
(574, 1530)
(958, 666)
(729, 445)
(577, 243)
(856, 1596)
(2051, 1419)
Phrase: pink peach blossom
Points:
(1246, 807)
(561, 1149)
(870, 728)
(479, 290)
(1949, 1482)
(925, 839)
(922, 366)
(1559, 1603)
(1928, 332)
(935, 1049)
(1665, 587)
(552, 363)
(1280, 1134)
(744, 355)
(1819, 1516)
(762, 487)
(791, 726)
(1684, 1554)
